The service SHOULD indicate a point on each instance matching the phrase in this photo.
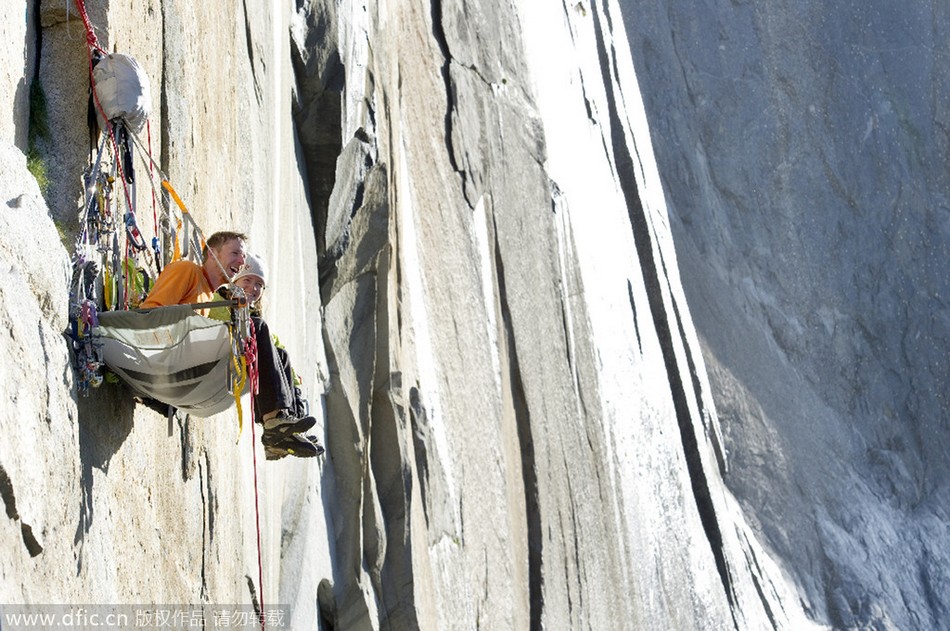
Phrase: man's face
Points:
(231, 256)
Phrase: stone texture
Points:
(39, 421)
(803, 151)
(473, 267)
(320, 75)
(520, 427)
(116, 503)
(17, 66)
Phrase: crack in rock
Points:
(9, 503)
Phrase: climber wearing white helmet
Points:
(287, 419)
(185, 282)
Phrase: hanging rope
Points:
(130, 249)
(94, 48)
(99, 188)
(250, 354)
(156, 244)
(91, 40)
(187, 217)
(145, 153)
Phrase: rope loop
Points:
(91, 40)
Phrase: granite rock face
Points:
(474, 271)
(17, 62)
(804, 150)
(105, 500)
(519, 420)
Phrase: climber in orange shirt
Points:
(184, 282)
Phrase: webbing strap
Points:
(240, 367)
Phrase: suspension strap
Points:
(125, 174)
(156, 244)
(237, 386)
(185, 215)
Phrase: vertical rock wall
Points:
(518, 418)
(470, 255)
(803, 148)
(105, 500)
(17, 28)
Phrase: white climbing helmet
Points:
(253, 266)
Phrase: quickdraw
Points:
(89, 365)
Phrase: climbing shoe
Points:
(273, 453)
(285, 424)
(277, 445)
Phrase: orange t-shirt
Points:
(180, 283)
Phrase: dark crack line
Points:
(528, 462)
(626, 168)
(165, 139)
(570, 28)
(185, 442)
(567, 322)
(250, 55)
(694, 374)
(9, 505)
(211, 498)
(419, 426)
(581, 578)
(753, 561)
(438, 31)
(633, 308)
(29, 540)
(204, 529)
(6, 493)
(254, 599)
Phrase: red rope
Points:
(93, 44)
(250, 354)
(91, 40)
(251, 350)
